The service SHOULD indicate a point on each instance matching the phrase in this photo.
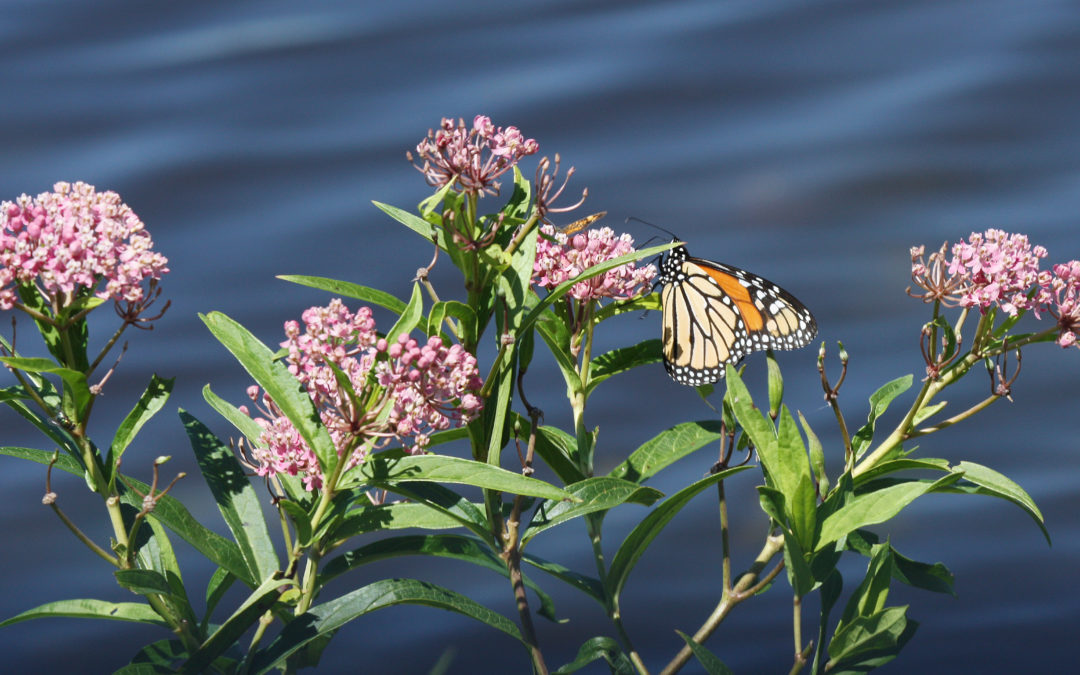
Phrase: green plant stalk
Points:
(744, 588)
(932, 388)
(307, 588)
(100, 552)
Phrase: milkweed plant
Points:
(377, 414)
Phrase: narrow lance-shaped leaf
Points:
(453, 546)
(329, 616)
(410, 318)
(349, 290)
(381, 470)
(876, 507)
(641, 536)
(90, 609)
(286, 391)
(241, 620)
(621, 360)
(709, 661)
(150, 403)
(595, 494)
(879, 403)
(235, 497)
(996, 484)
(666, 448)
(74, 381)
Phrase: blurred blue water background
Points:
(813, 143)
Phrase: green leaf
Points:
(879, 403)
(870, 641)
(156, 657)
(375, 518)
(219, 583)
(931, 577)
(596, 494)
(817, 456)
(599, 648)
(754, 424)
(410, 318)
(621, 360)
(666, 448)
(870, 596)
(74, 381)
(927, 412)
(235, 497)
(641, 303)
(143, 582)
(287, 393)
(241, 620)
(150, 403)
(876, 507)
(449, 503)
(91, 609)
(553, 339)
(382, 470)
(894, 465)
(643, 534)
(590, 586)
(709, 661)
(466, 320)
(349, 290)
(796, 482)
(995, 484)
(329, 616)
(414, 222)
(452, 546)
(558, 449)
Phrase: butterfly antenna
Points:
(654, 226)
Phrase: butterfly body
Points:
(714, 314)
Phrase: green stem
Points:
(83, 538)
(747, 585)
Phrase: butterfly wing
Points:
(714, 314)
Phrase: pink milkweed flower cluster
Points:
(72, 239)
(1065, 307)
(401, 390)
(471, 158)
(996, 268)
(563, 257)
(1001, 269)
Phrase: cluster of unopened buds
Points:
(397, 391)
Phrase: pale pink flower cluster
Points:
(1066, 306)
(71, 239)
(569, 255)
(399, 391)
(1001, 268)
(473, 158)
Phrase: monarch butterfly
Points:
(715, 314)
